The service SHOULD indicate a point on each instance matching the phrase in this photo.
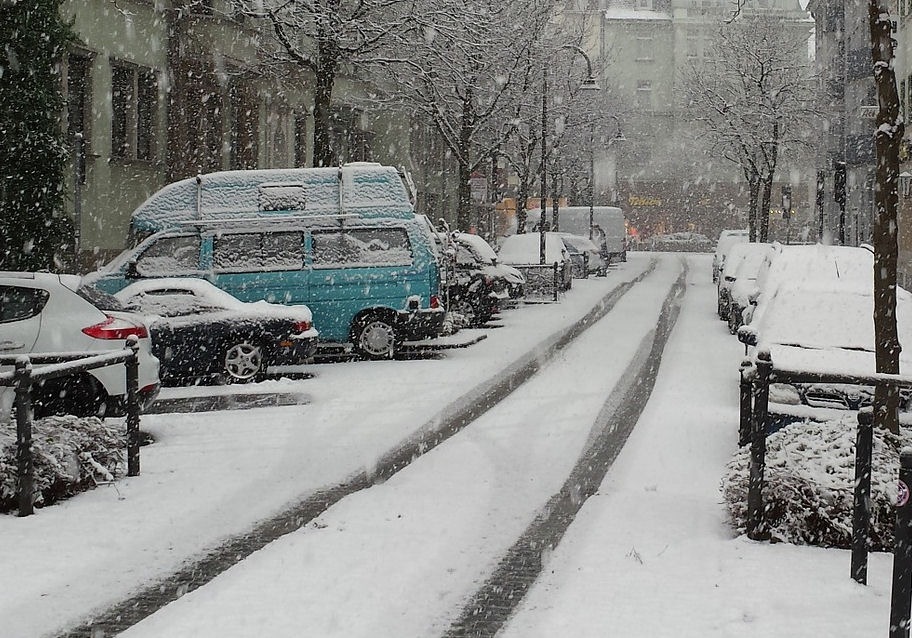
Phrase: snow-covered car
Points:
(50, 313)
(477, 284)
(847, 268)
(525, 250)
(826, 329)
(727, 239)
(199, 330)
(743, 261)
(488, 258)
(745, 281)
(595, 265)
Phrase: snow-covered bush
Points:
(70, 454)
(809, 481)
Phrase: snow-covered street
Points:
(650, 555)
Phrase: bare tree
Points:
(462, 70)
(887, 139)
(754, 97)
(327, 37)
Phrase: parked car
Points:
(200, 331)
(745, 281)
(487, 257)
(727, 238)
(684, 241)
(525, 250)
(814, 327)
(743, 260)
(595, 264)
(847, 268)
(45, 313)
(608, 232)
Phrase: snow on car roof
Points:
(478, 244)
(218, 297)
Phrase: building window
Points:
(644, 94)
(134, 104)
(644, 51)
(79, 84)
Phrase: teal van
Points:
(369, 274)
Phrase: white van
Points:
(609, 231)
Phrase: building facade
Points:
(666, 180)
(159, 90)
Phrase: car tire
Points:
(374, 337)
(243, 362)
(80, 395)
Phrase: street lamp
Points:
(589, 84)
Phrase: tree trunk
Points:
(887, 140)
(323, 152)
(522, 194)
(763, 215)
(754, 186)
(464, 210)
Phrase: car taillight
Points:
(435, 302)
(302, 326)
(116, 328)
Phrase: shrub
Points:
(70, 454)
(809, 481)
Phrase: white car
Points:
(525, 250)
(44, 313)
(727, 239)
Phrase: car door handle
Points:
(11, 345)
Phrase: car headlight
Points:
(784, 393)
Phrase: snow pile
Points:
(71, 455)
(809, 482)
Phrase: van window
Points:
(361, 247)
(171, 256)
(246, 252)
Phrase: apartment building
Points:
(159, 90)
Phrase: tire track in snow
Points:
(448, 422)
(493, 603)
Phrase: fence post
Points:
(132, 366)
(744, 423)
(756, 527)
(901, 598)
(861, 512)
(25, 467)
(554, 268)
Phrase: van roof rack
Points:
(210, 221)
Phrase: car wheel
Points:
(80, 395)
(467, 309)
(244, 362)
(374, 337)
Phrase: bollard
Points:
(861, 512)
(25, 467)
(901, 598)
(556, 282)
(756, 529)
(744, 423)
(132, 365)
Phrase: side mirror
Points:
(132, 272)
(754, 296)
(747, 336)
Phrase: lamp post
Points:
(589, 84)
(618, 137)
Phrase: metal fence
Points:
(543, 281)
(53, 366)
(756, 378)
